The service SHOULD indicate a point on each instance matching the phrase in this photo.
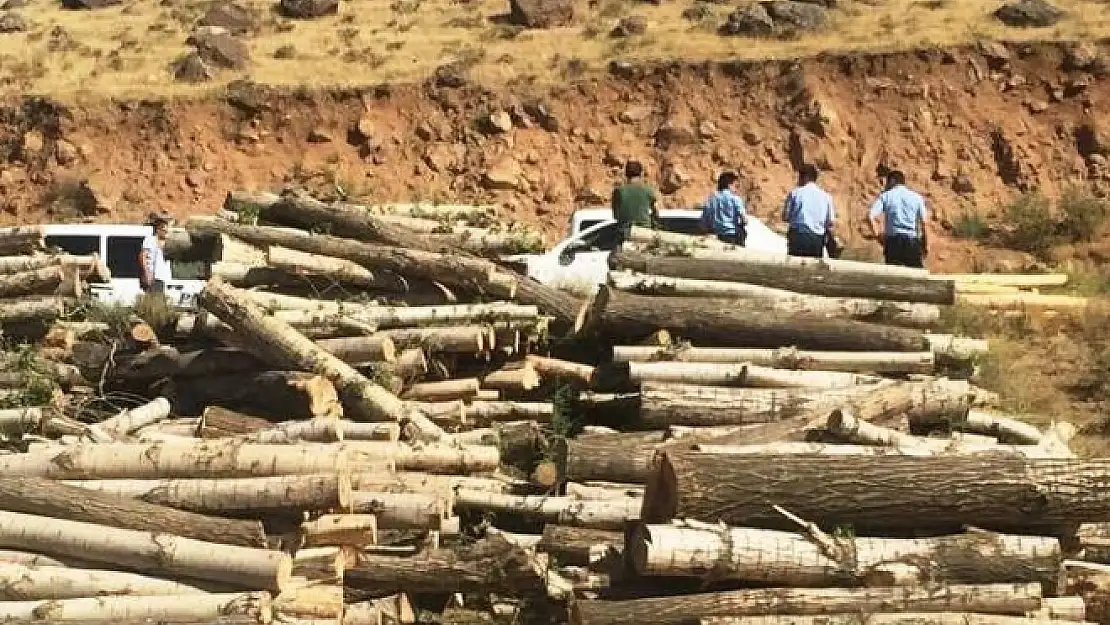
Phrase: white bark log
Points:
(414, 482)
(523, 377)
(1021, 299)
(179, 608)
(941, 448)
(345, 271)
(481, 412)
(422, 511)
(353, 530)
(319, 430)
(319, 312)
(26, 583)
(158, 554)
(446, 390)
(361, 350)
(128, 421)
(466, 339)
(784, 358)
(722, 374)
(871, 618)
(1002, 427)
(607, 514)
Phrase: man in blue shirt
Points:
(809, 211)
(903, 234)
(724, 213)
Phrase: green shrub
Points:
(1082, 216)
(1032, 227)
(970, 226)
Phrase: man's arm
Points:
(146, 261)
(787, 206)
(922, 216)
(741, 214)
(615, 203)
(873, 218)
(830, 218)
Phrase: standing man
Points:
(154, 268)
(634, 202)
(903, 234)
(724, 214)
(809, 211)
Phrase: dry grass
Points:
(125, 50)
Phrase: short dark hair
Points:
(633, 169)
(808, 172)
(895, 177)
(726, 180)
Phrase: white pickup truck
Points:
(580, 262)
(118, 245)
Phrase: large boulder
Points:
(749, 20)
(541, 13)
(629, 26)
(236, 19)
(1029, 14)
(792, 17)
(190, 68)
(13, 22)
(220, 49)
(308, 9)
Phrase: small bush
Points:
(1032, 227)
(1082, 216)
(970, 226)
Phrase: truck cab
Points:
(118, 245)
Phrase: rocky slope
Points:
(973, 127)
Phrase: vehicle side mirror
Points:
(566, 256)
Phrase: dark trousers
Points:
(805, 244)
(903, 250)
(157, 286)
(733, 239)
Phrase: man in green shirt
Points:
(634, 201)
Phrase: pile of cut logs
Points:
(368, 419)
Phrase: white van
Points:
(118, 245)
(682, 220)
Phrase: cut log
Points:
(277, 394)
(355, 530)
(258, 496)
(34, 496)
(166, 361)
(488, 565)
(188, 459)
(411, 365)
(942, 447)
(562, 306)
(555, 368)
(783, 358)
(184, 609)
(323, 312)
(276, 342)
(446, 390)
(26, 583)
(472, 339)
(22, 240)
(908, 314)
(790, 559)
(610, 458)
(319, 430)
(732, 323)
(483, 412)
(579, 546)
(990, 491)
(45, 281)
(611, 514)
(361, 350)
(154, 552)
(419, 511)
(1022, 300)
(442, 458)
(791, 278)
(905, 618)
(220, 422)
(41, 310)
(1004, 428)
(20, 264)
(713, 248)
(514, 379)
(340, 270)
(128, 421)
(723, 374)
(356, 431)
(1011, 599)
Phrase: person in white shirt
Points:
(154, 268)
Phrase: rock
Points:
(1089, 141)
(65, 153)
(499, 122)
(192, 69)
(635, 114)
(89, 4)
(997, 54)
(364, 129)
(505, 175)
(221, 50)
(1083, 57)
(707, 130)
(90, 199)
(13, 23)
(751, 20)
(308, 9)
(541, 13)
(1038, 106)
(32, 145)
(543, 116)
(1029, 14)
(672, 180)
(629, 26)
(195, 179)
(441, 157)
(751, 138)
(286, 52)
(962, 184)
(790, 17)
(319, 135)
(590, 197)
(698, 12)
(671, 134)
(238, 20)
(451, 75)
(612, 159)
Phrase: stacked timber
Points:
(367, 417)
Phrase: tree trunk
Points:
(709, 247)
(447, 390)
(21, 241)
(26, 583)
(555, 368)
(356, 431)
(903, 493)
(319, 430)
(52, 499)
(612, 514)
(781, 301)
(41, 310)
(411, 365)
(420, 511)
(472, 339)
(255, 496)
(279, 395)
(722, 374)
(462, 459)
(791, 278)
(483, 412)
(1004, 428)
(453, 270)
(360, 351)
(154, 552)
(1022, 300)
(347, 530)
(906, 618)
(579, 546)
(927, 447)
(611, 458)
(563, 306)
(797, 559)
(1013, 599)
(327, 312)
(219, 422)
(491, 565)
(128, 421)
(253, 607)
(730, 323)
(413, 482)
(784, 358)
(513, 378)
(166, 361)
(276, 342)
(45, 281)
(188, 459)
(339, 270)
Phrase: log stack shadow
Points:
(370, 419)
